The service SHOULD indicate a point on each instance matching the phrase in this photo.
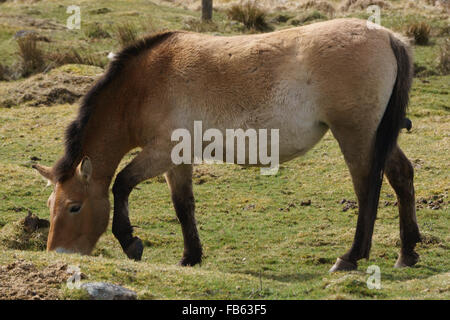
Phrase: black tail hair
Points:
(388, 130)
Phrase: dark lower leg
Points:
(362, 241)
(121, 226)
(180, 183)
(192, 247)
(356, 143)
(368, 196)
(400, 174)
(149, 163)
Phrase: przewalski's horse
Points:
(340, 75)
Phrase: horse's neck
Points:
(105, 144)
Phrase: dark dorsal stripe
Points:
(74, 136)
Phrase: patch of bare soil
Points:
(24, 281)
(55, 87)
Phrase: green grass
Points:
(253, 228)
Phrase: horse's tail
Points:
(394, 116)
(391, 123)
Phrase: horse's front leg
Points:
(146, 165)
(179, 180)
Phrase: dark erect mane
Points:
(65, 167)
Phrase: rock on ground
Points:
(108, 291)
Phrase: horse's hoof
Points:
(189, 261)
(342, 265)
(135, 249)
(407, 259)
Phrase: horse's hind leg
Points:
(179, 179)
(147, 164)
(356, 147)
(400, 174)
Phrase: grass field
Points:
(259, 240)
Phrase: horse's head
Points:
(79, 210)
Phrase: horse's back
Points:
(299, 80)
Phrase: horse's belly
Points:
(297, 116)
(297, 139)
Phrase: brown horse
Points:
(342, 75)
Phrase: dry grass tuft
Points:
(250, 14)
(420, 32)
(322, 6)
(198, 25)
(74, 56)
(444, 58)
(96, 31)
(32, 58)
(363, 4)
(308, 17)
(3, 72)
(126, 34)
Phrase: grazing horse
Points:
(344, 75)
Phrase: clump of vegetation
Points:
(420, 32)
(281, 18)
(198, 25)
(444, 58)
(32, 58)
(363, 4)
(431, 2)
(322, 6)
(250, 14)
(96, 31)
(444, 31)
(2, 72)
(29, 233)
(126, 34)
(74, 56)
(307, 17)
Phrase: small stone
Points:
(108, 291)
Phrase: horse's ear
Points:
(46, 172)
(85, 169)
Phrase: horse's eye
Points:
(75, 208)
